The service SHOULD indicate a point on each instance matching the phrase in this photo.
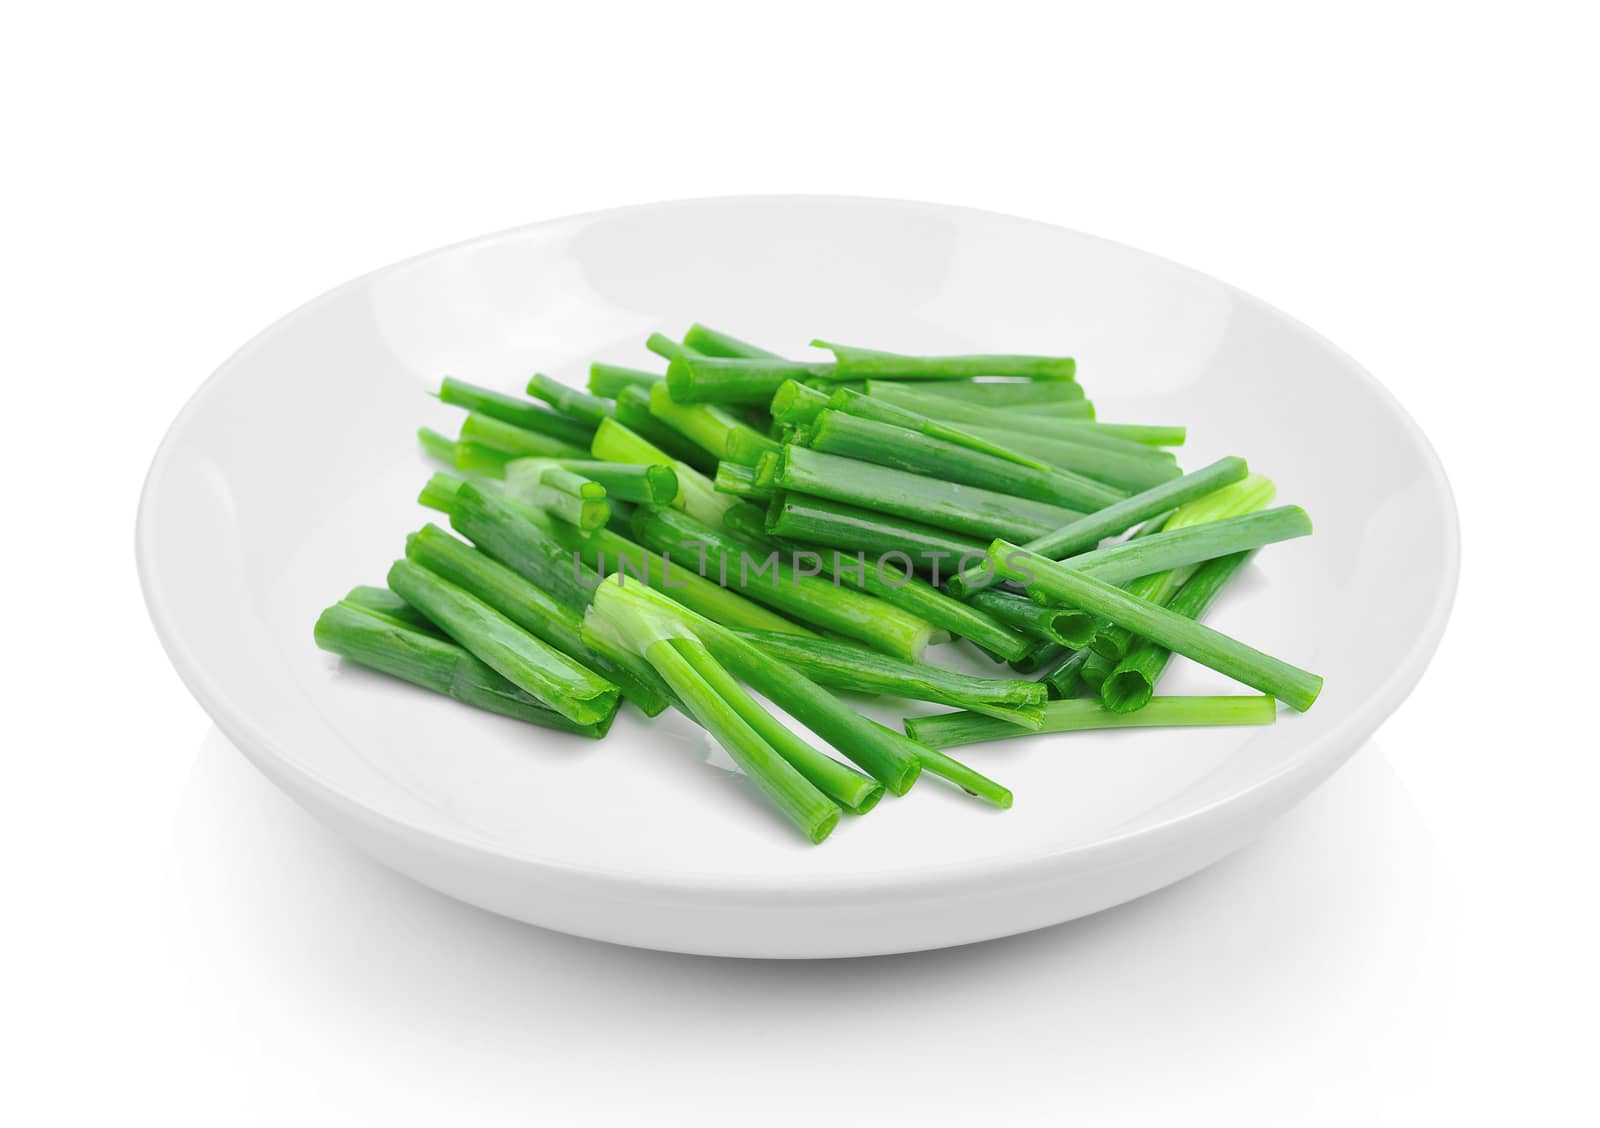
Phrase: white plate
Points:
(290, 477)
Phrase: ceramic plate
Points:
(290, 477)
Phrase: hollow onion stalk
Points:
(425, 659)
(574, 404)
(887, 756)
(518, 442)
(710, 428)
(1114, 519)
(607, 380)
(947, 730)
(932, 501)
(1213, 649)
(532, 665)
(775, 582)
(670, 650)
(816, 520)
(514, 410)
(1131, 683)
(854, 363)
(535, 611)
(999, 393)
(846, 666)
(885, 444)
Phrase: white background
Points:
(1416, 182)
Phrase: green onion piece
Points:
(535, 611)
(740, 481)
(427, 660)
(710, 428)
(932, 501)
(497, 525)
(517, 441)
(1036, 620)
(794, 402)
(440, 448)
(855, 792)
(698, 495)
(997, 393)
(1213, 649)
(607, 380)
(884, 444)
(514, 410)
(528, 663)
(773, 581)
(845, 666)
(808, 809)
(887, 756)
(608, 553)
(1096, 668)
(816, 520)
(947, 730)
(708, 342)
(386, 605)
(866, 407)
(1129, 470)
(976, 417)
(1149, 434)
(1131, 683)
(706, 379)
(858, 363)
(1247, 496)
(581, 406)
(633, 411)
(627, 481)
(894, 584)
(1043, 654)
(1191, 544)
(973, 782)
(666, 348)
(1064, 675)
(1115, 519)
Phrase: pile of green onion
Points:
(745, 522)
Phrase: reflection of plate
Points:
(287, 479)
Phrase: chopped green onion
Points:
(1228, 656)
(845, 666)
(973, 782)
(1064, 675)
(517, 441)
(852, 436)
(607, 380)
(855, 792)
(706, 379)
(530, 664)
(633, 411)
(947, 730)
(740, 481)
(819, 521)
(973, 416)
(623, 481)
(999, 393)
(795, 402)
(535, 611)
(710, 428)
(427, 660)
(1036, 620)
(933, 501)
(895, 585)
(581, 406)
(497, 525)
(1115, 519)
(707, 341)
(513, 410)
(1131, 683)
(776, 583)
(858, 363)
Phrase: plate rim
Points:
(1345, 737)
